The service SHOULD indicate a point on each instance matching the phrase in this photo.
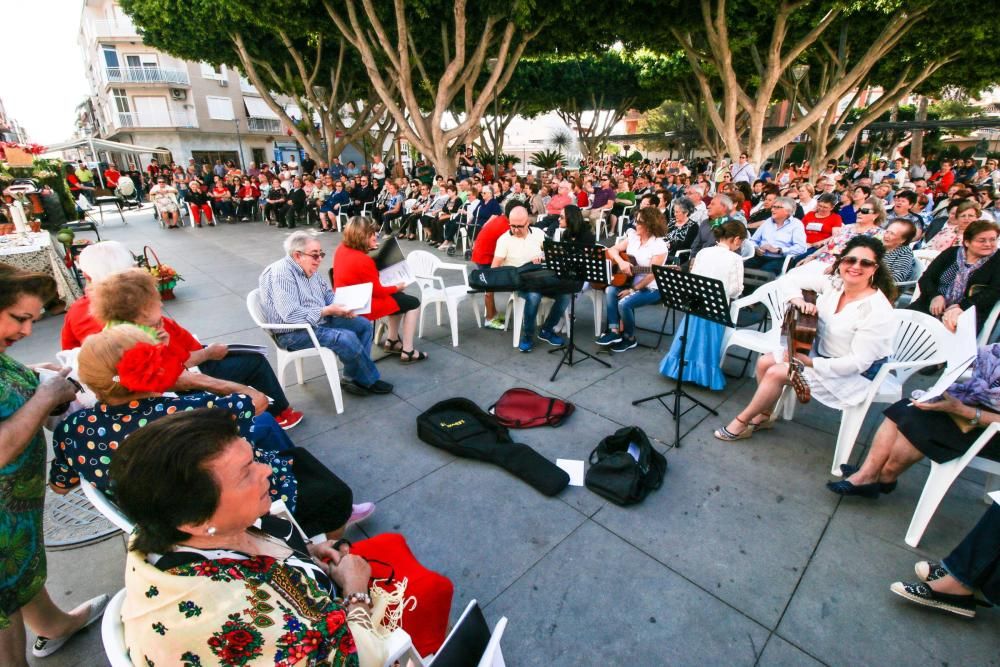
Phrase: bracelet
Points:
(358, 598)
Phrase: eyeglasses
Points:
(865, 263)
(315, 255)
(866, 210)
(518, 226)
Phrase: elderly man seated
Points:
(292, 292)
(781, 235)
(517, 247)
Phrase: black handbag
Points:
(619, 476)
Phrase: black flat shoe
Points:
(925, 596)
(352, 387)
(845, 488)
(379, 387)
(885, 487)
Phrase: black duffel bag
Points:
(500, 279)
(459, 426)
(619, 476)
(537, 278)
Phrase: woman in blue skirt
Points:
(704, 346)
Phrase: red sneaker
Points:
(289, 418)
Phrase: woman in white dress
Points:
(704, 347)
(853, 339)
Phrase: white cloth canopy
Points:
(103, 145)
(257, 108)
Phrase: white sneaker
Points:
(496, 323)
(44, 646)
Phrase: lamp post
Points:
(798, 73)
(239, 141)
(491, 65)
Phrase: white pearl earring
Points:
(211, 530)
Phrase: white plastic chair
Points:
(514, 314)
(942, 476)
(113, 632)
(988, 326)
(110, 511)
(433, 290)
(492, 655)
(286, 357)
(761, 342)
(920, 341)
(624, 218)
(906, 294)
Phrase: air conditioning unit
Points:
(223, 82)
(178, 94)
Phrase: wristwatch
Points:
(975, 420)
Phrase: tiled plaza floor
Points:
(742, 558)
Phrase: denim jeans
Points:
(627, 307)
(766, 263)
(350, 338)
(532, 299)
(976, 560)
(249, 369)
(268, 436)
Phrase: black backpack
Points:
(615, 474)
(459, 426)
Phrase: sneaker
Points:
(609, 338)
(924, 595)
(360, 512)
(929, 571)
(624, 344)
(352, 387)
(289, 418)
(551, 338)
(379, 387)
(527, 345)
(45, 646)
(496, 323)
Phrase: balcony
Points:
(154, 75)
(171, 119)
(123, 28)
(267, 125)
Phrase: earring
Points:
(211, 530)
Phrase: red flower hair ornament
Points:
(149, 368)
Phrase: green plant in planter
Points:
(547, 159)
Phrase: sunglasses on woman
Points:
(866, 210)
(865, 263)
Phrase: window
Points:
(209, 72)
(141, 60)
(110, 55)
(121, 100)
(220, 108)
(257, 108)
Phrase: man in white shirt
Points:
(743, 170)
(696, 193)
(378, 170)
(781, 235)
(523, 245)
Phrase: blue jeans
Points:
(766, 263)
(532, 299)
(350, 338)
(268, 436)
(627, 306)
(976, 561)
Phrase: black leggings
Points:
(324, 501)
(406, 302)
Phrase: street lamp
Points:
(239, 140)
(491, 65)
(798, 73)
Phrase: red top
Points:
(111, 176)
(79, 323)
(74, 182)
(582, 200)
(249, 191)
(829, 223)
(944, 181)
(353, 267)
(486, 239)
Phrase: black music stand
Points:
(571, 261)
(695, 295)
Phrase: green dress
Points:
(22, 499)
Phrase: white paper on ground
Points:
(574, 469)
(958, 356)
(356, 298)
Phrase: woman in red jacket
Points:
(353, 266)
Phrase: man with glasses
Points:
(362, 194)
(523, 245)
(781, 235)
(604, 199)
(292, 292)
(743, 171)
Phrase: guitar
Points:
(618, 277)
(800, 333)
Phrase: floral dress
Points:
(22, 499)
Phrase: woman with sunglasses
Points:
(164, 197)
(855, 313)
(963, 276)
(871, 216)
(213, 578)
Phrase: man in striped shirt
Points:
(292, 292)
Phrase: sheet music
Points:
(356, 298)
(395, 274)
(958, 356)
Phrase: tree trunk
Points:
(917, 145)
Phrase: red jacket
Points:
(353, 267)
(944, 181)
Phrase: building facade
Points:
(192, 110)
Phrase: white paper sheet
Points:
(574, 469)
(356, 298)
(995, 495)
(397, 273)
(958, 356)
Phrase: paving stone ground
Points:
(742, 558)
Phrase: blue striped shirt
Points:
(287, 295)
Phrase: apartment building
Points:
(10, 129)
(193, 110)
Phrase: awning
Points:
(103, 145)
(293, 111)
(257, 108)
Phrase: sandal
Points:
(412, 356)
(726, 435)
(391, 346)
(764, 424)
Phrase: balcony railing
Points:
(174, 119)
(269, 125)
(109, 29)
(146, 75)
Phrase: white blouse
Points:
(850, 341)
(722, 263)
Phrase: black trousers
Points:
(325, 502)
(250, 369)
(976, 560)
